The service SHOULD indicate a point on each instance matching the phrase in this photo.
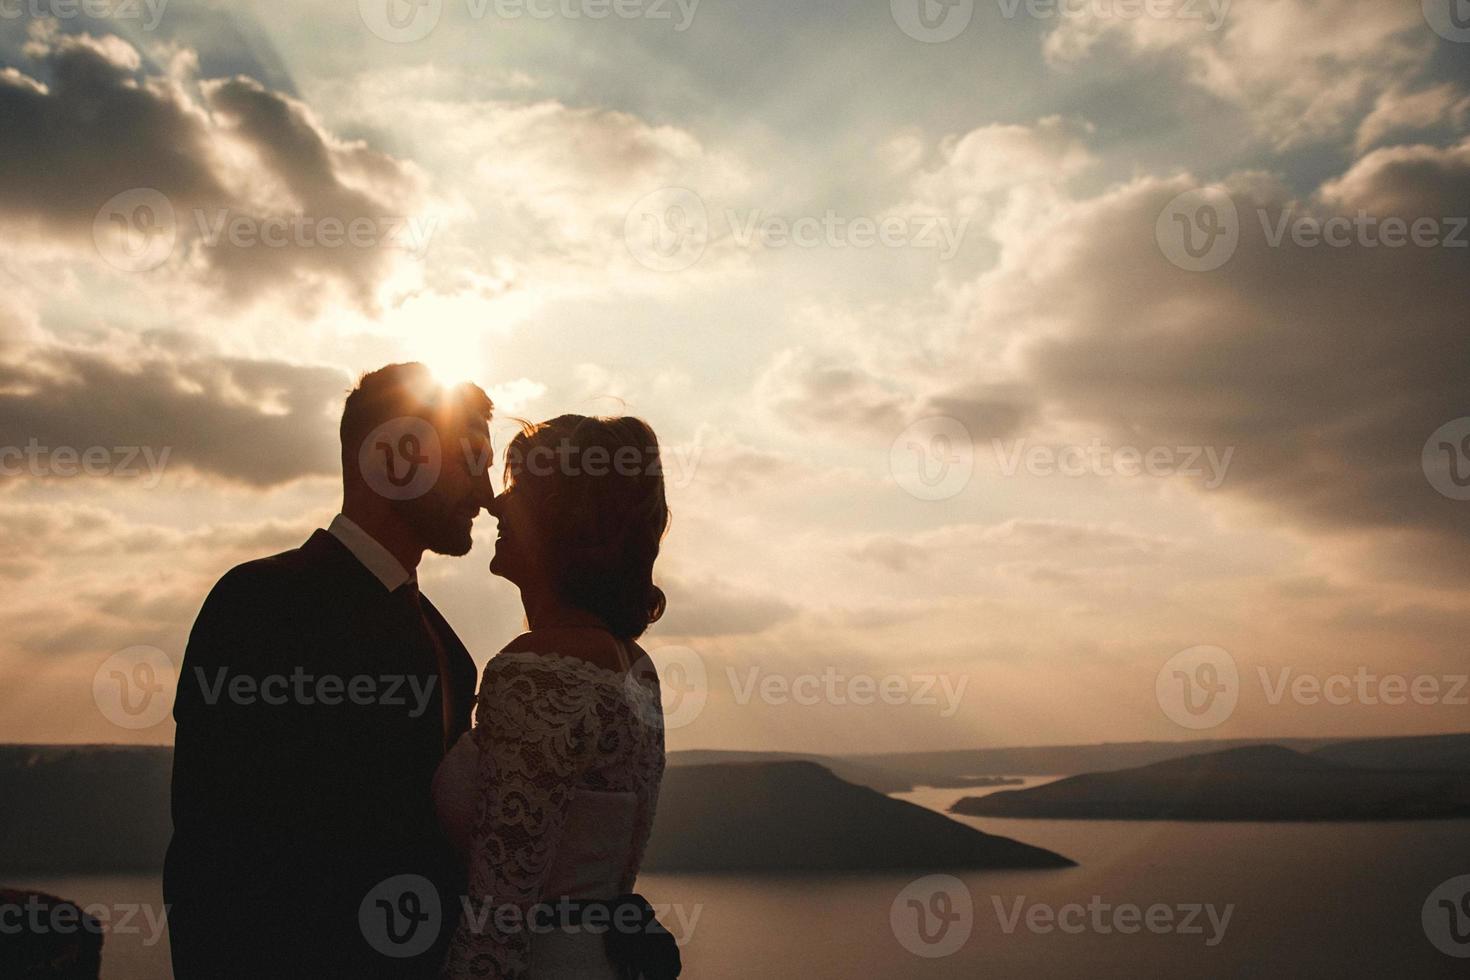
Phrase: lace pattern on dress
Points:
(546, 725)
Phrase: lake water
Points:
(1315, 900)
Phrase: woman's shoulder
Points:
(575, 649)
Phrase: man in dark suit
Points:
(318, 693)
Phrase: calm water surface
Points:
(1325, 900)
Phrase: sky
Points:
(1025, 372)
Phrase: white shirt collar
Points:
(366, 549)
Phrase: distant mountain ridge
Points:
(898, 772)
(1441, 753)
(84, 808)
(105, 809)
(1254, 783)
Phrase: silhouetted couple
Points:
(336, 814)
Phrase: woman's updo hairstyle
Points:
(596, 489)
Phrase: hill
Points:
(1446, 753)
(92, 808)
(1253, 783)
(105, 809)
(798, 816)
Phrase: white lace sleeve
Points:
(536, 723)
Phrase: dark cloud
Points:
(987, 411)
(838, 394)
(1327, 368)
(94, 123)
(258, 423)
(90, 132)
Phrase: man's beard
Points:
(442, 527)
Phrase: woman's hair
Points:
(596, 489)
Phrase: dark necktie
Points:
(408, 592)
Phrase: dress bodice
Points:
(550, 796)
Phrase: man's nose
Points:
(482, 489)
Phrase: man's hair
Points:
(406, 390)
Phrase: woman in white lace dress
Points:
(551, 796)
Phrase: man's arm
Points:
(240, 870)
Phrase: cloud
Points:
(1406, 181)
(1036, 540)
(839, 395)
(72, 530)
(86, 579)
(1303, 71)
(818, 390)
(1326, 368)
(260, 423)
(999, 158)
(256, 186)
(707, 606)
(541, 189)
(1399, 111)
